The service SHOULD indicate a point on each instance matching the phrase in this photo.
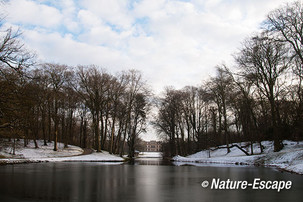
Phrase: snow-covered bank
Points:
(150, 155)
(46, 154)
(290, 158)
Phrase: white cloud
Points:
(69, 11)
(52, 47)
(172, 42)
(88, 19)
(30, 13)
(114, 12)
(96, 31)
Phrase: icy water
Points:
(145, 180)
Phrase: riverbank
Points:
(290, 158)
(30, 154)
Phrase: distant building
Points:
(153, 146)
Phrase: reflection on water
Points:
(151, 161)
(148, 182)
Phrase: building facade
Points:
(153, 146)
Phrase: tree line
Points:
(260, 98)
(82, 105)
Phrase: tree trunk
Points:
(26, 137)
(112, 135)
(43, 126)
(56, 127)
(14, 147)
(49, 123)
(117, 141)
(56, 138)
(105, 129)
(70, 130)
(84, 134)
(123, 142)
(276, 133)
(81, 133)
(96, 121)
(227, 139)
(63, 130)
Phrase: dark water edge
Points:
(145, 180)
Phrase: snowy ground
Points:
(290, 158)
(150, 155)
(46, 154)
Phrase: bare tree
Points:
(266, 60)
(57, 75)
(137, 106)
(287, 23)
(93, 90)
(12, 51)
(168, 119)
(221, 87)
(245, 106)
(116, 92)
(14, 56)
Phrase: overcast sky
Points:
(172, 42)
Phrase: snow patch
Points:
(150, 155)
(290, 158)
(47, 154)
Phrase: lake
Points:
(144, 180)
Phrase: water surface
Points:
(147, 180)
